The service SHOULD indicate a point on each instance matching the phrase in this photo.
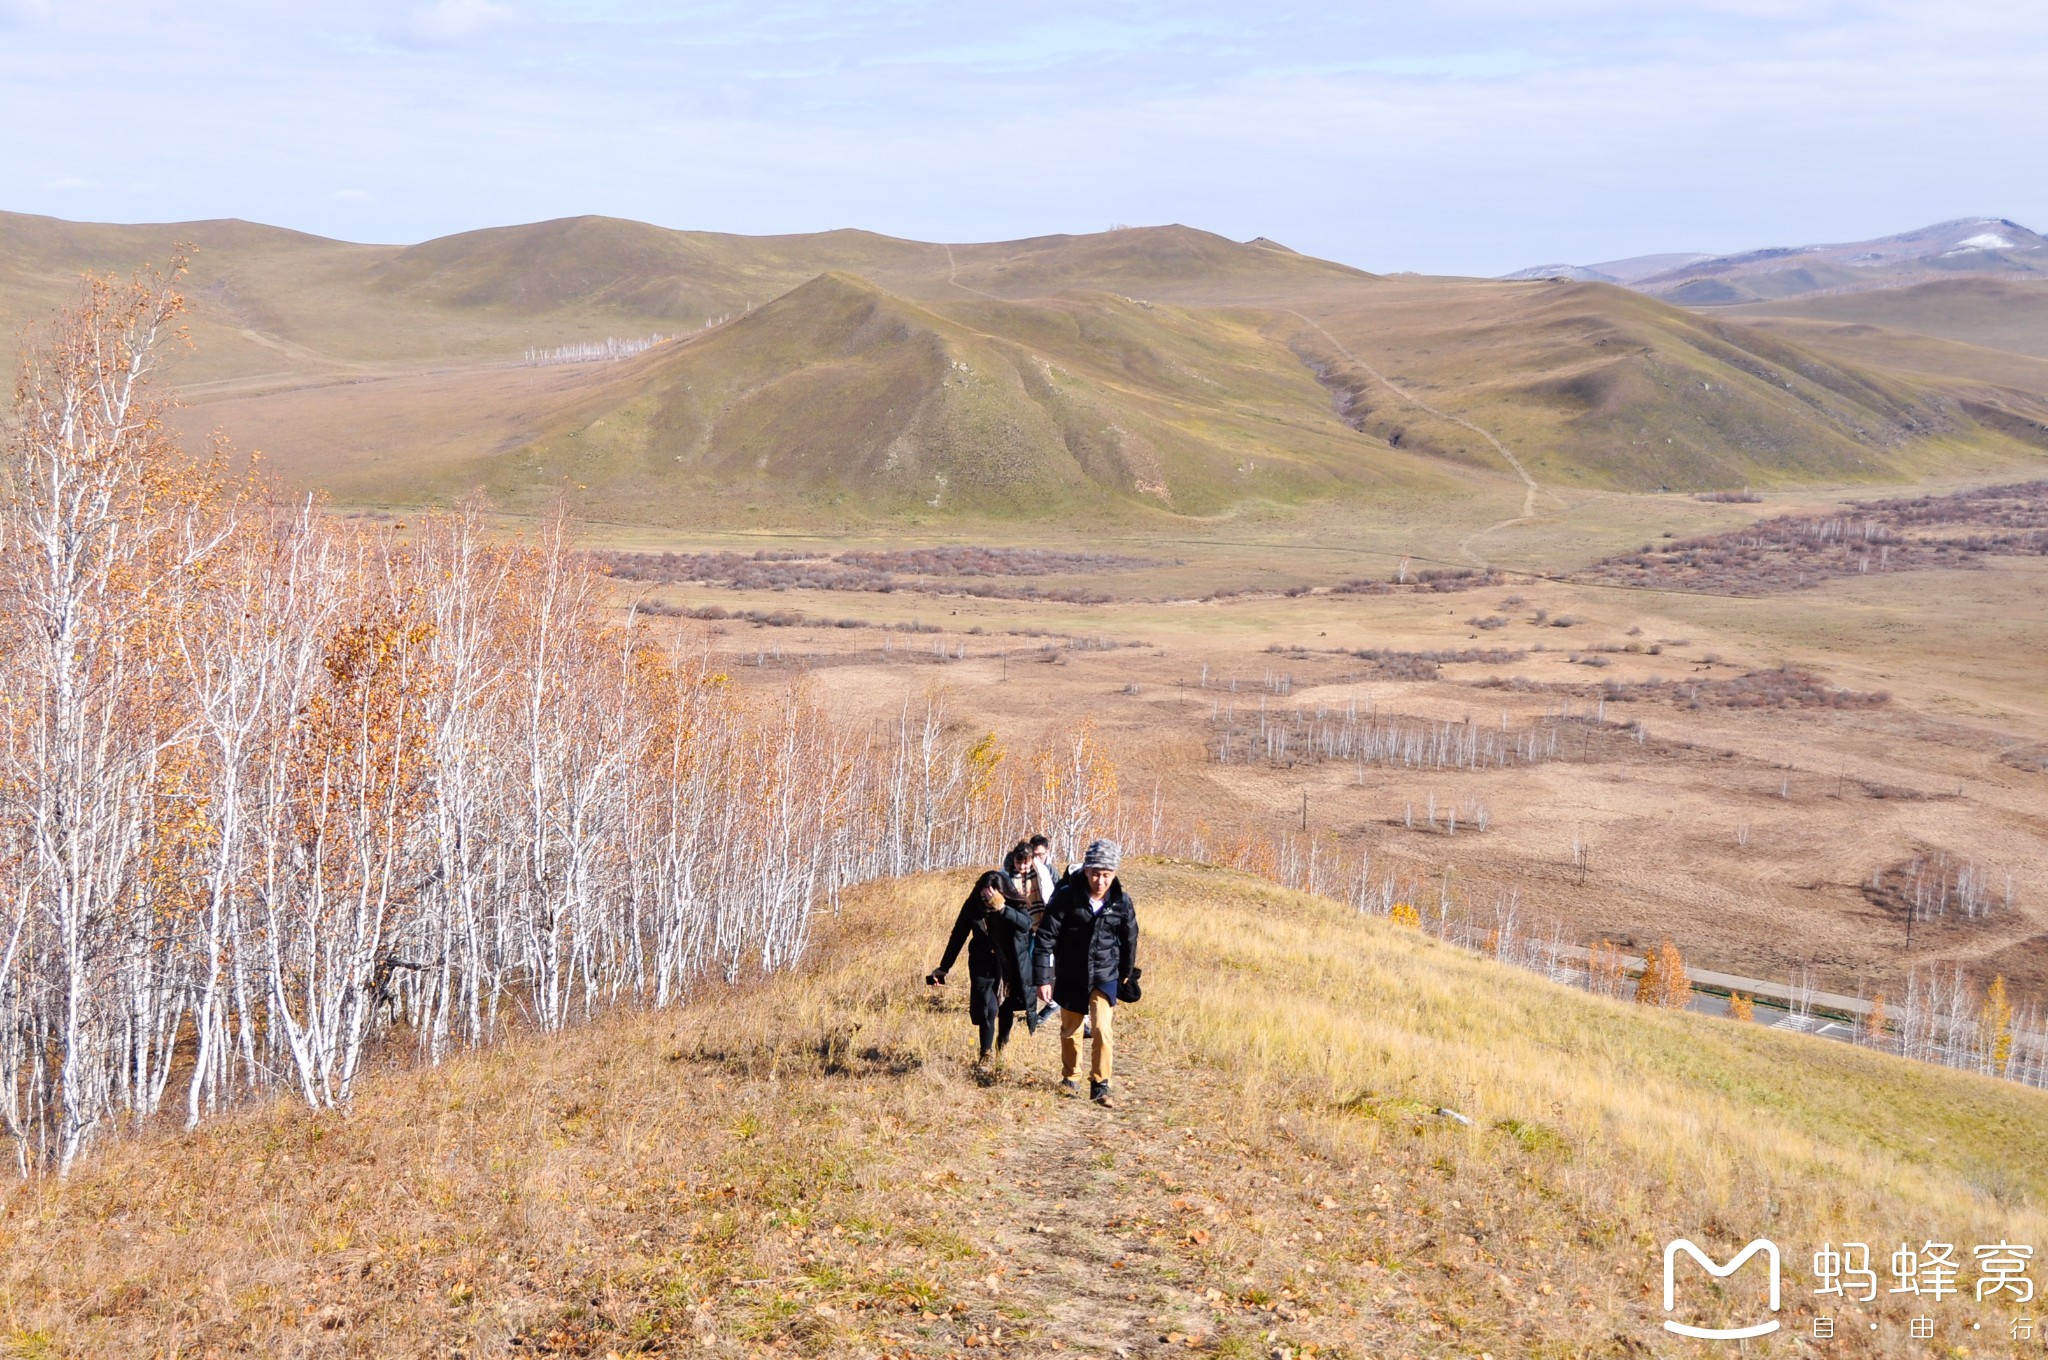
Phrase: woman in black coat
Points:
(996, 926)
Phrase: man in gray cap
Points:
(1087, 958)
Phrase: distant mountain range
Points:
(1966, 246)
(1149, 374)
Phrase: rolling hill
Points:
(1331, 1131)
(1156, 373)
(1990, 313)
(843, 393)
(1597, 386)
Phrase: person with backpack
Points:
(995, 924)
(1087, 960)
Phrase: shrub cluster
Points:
(977, 561)
(1779, 687)
(1390, 664)
(1440, 580)
(1792, 552)
(932, 571)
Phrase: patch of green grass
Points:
(33, 1345)
(943, 1242)
(1532, 1136)
(915, 1291)
(771, 1317)
(824, 1275)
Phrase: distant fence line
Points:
(611, 347)
(1298, 736)
(593, 351)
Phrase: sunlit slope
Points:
(809, 1156)
(1991, 313)
(1593, 385)
(1163, 372)
(243, 278)
(1955, 367)
(492, 293)
(842, 398)
(632, 269)
(332, 307)
(1171, 263)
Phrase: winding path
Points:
(953, 277)
(1529, 485)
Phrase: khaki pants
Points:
(1102, 1054)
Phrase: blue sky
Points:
(1464, 136)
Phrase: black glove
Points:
(935, 978)
(1128, 989)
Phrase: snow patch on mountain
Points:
(1987, 240)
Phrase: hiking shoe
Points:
(1070, 1087)
(1043, 1014)
(1098, 1091)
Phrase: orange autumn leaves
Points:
(280, 790)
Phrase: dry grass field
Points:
(1274, 530)
(1712, 801)
(807, 1165)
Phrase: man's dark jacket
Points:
(1080, 952)
(998, 952)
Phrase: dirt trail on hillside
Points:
(1096, 1224)
(1529, 485)
(1071, 1224)
(953, 277)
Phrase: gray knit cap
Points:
(1103, 855)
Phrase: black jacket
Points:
(998, 950)
(1080, 952)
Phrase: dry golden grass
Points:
(808, 1165)
(1828, 797)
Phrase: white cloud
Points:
(71, 182)
(448, 21)
(353, 196)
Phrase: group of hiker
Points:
(1037, 942)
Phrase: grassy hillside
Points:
(1991, 313)
(1953, 366)
(844, 400)
(1177, 264)
(632, 268)
(243, 275)
(1600, 387)
(1138, 374)
(809, 1161)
